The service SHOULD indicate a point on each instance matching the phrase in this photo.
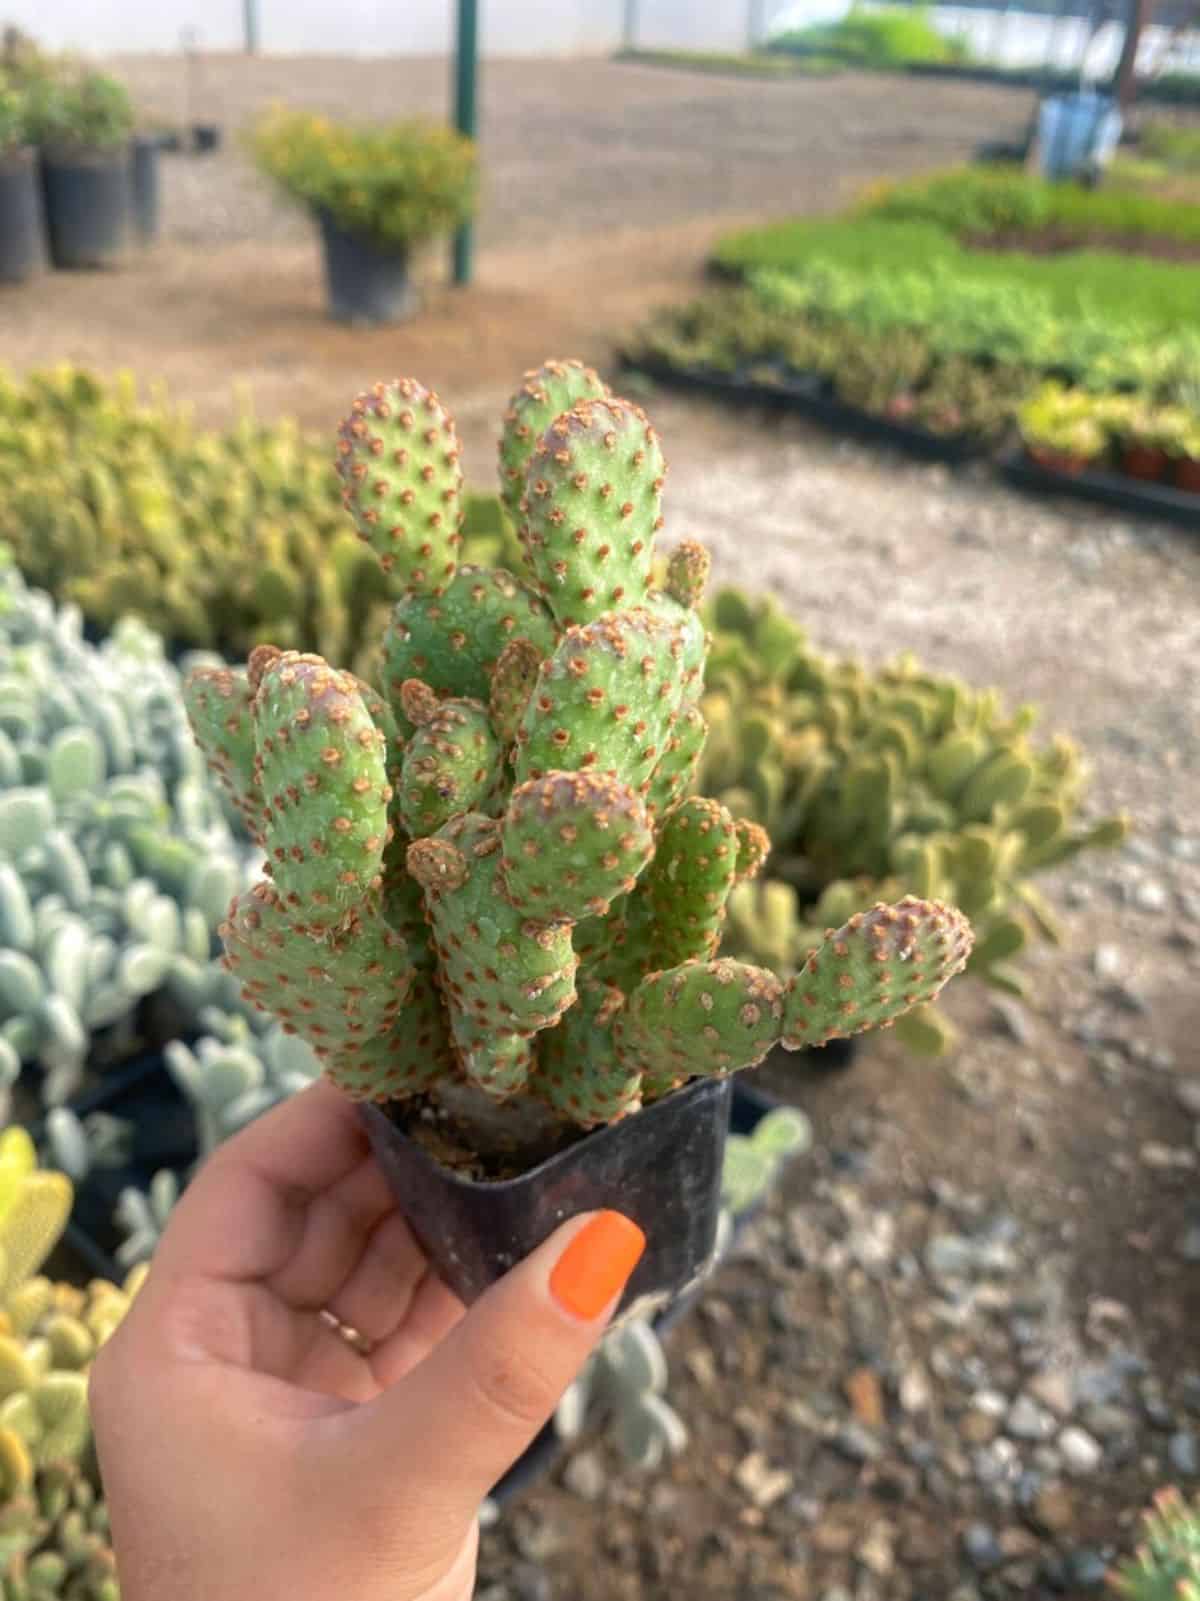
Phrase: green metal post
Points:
(466, 72)
(250, 25)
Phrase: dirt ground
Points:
(603, 186)
(1057, 1149)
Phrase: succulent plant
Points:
(874, 783)
(534, 912)
(34, 1208)
(116, 862)
(1166, 1565)
(118, 503)
(54, 1540)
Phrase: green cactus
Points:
(218, 704)
(592, 509)
(545, 393)
(1166, 1565)
(452, 763)
(493, 881)
(398, 459)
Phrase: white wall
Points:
(371, 27)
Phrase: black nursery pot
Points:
(364, 284)
(22, 229)
(145, 186)
(88, 205)
(660, 1167)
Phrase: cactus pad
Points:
(500, 971)
(453, 640)
(350, 996)
(604, 702)
(398, 459)
(579, 1073)
(700, 1018)
(571, 843)
(218, 707)
(513, 682)
(676, 771)
(322, 774)
(754, 846)
(877, 966)
(592, 509)
(545, 393)
(453, 763)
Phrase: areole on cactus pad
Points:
(489, 886)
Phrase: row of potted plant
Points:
(1070, 430)
(76, 183)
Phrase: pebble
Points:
(977, 1428)
(531, 1583)
(1184, 1452)
(949, 1256)
(981, 1547)
(1151, 896)
(1026, 1420)
(760, 1482)
(1187, 1093)
(1107, 961)
(876, 1552)
(584, 1476)
(914, 1392)
(1053, 1508)
(1081, 1454)
(1055, 1390)
(1086, 1568)
(1189, 1243)
(857, 1444)
(1012, 1018)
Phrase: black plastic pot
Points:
(364, 284)
(22, 228)
(145, 186)
(206, 136)
(88, 206)
(661, 1167)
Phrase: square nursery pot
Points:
(363, 283)
(89, 205)
(22, 228)
(661, 1167)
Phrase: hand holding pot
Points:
(249, 1446)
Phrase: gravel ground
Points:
(577, 147)
(958, 1354)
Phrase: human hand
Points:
(248, 1449)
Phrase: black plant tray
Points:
(807, 395)
(1110, 489)
(144, 1094)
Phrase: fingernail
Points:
(597, 1264)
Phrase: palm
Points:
(264, 1270)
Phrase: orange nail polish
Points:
(596, 1264)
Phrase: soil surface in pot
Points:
(487, 1144)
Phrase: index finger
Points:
(239, 1216)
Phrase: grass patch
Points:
(894, 37)
(979, 201)
(1161, 294)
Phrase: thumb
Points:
(479, 1398)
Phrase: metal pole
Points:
(466, 71)
(250, 26)
(629, 28)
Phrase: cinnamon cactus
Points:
(489, 872)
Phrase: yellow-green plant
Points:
(396, 184)
(218, 540)
(34, 1208)
(879, 782)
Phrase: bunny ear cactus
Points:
(488, 876)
